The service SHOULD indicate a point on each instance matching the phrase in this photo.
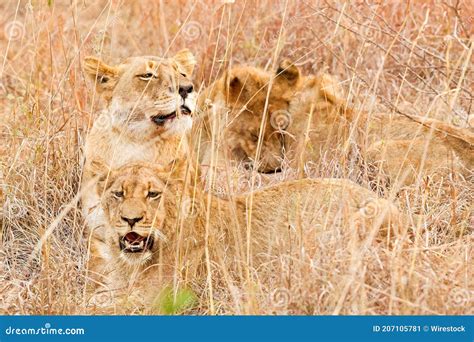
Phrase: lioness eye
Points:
(146, 76)
(153, 194)
(118, 194)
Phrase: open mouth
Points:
(135, 243)
(160, 120)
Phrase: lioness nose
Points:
(132, 221)
(185, 90)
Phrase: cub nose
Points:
(184, 90)
(132, 221)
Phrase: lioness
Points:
(158, 229)
(149, 106)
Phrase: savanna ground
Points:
(416, 56)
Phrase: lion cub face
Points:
(249, 124)
(147, 95)
(133, 205)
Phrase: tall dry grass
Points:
(416, 57)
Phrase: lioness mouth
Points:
(135, 243)
(161, 119)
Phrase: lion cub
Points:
(158, 228)
(309, 121)
(149, 106)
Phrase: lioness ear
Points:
(104, 76)
(288, 72)
(186, 61)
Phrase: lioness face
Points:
(133, 205)
(247, 98)
(148, 95)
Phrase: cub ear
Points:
(177, 167)
(104, 76)
(233, 83)
(185, 61)
(288, 72)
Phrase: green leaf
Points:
(170, 302)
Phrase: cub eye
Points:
(153, 194)
(103, 79)
(183, 75)
(146, 76)
(254, 137)
(117, 194)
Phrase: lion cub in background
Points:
(307, 119)
(149, 105)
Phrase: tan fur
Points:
(231, 112)
(404, 147)
(274, 218)
(137, 91)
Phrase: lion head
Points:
(317, 110)
(147, 95)
(253, 114)
(133, 204)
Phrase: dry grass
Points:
(416, 57)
